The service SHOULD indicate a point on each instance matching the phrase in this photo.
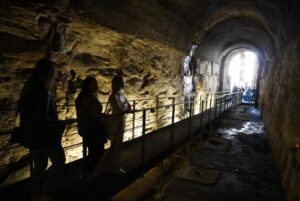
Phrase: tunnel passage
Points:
(147, 41)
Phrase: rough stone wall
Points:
(207, 75)
(100, 41)
(139, 39)
(280, 105)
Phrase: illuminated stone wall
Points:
(140, 39)
(101, 41)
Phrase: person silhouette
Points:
(117, 106)
(39, 120)
(90, 121)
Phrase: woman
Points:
(39, 120)
(89, 118)
(117, 105)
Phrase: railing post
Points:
(173, 121)
(201, 116)
(189, 131)
(225, 100)
(216, 108)
(230, 102)
(200, 104)
(133, 119)
(143, 137)
(220, 111)
(209, 111)
(156, 109)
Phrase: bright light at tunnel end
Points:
(243, 69)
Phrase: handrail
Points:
(6, 132)
(172, 105)
(218, 104)
(144, 99)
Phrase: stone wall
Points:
(280, 105)
(207, 75)
(141, 40)
(101, 40)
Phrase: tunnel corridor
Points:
(233, 163)
(174, 56)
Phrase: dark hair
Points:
(117, 83)
(85, 89)
(44, 69)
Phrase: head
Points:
(51, 55)
(117, 84)
(89, 85)
(45, 72)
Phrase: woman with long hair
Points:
(90, 121)
(117, 106)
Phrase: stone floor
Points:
(233, 164)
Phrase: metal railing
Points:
(148, 120)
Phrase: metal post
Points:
(209, 111)
(156, 109)
(201, 116)
(143, 136)
(220, 111)
(189, 132)
(224, 103)
(200, 104)
(133, 119)
(216, 108)
(230, 101)
(225, 100)
(173, 121)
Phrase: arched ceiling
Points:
(221, 26)
(216, 26)
(232, 33)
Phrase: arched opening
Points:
(242, 71)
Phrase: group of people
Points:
(43, 130)
(248, 95)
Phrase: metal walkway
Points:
(138, 155)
